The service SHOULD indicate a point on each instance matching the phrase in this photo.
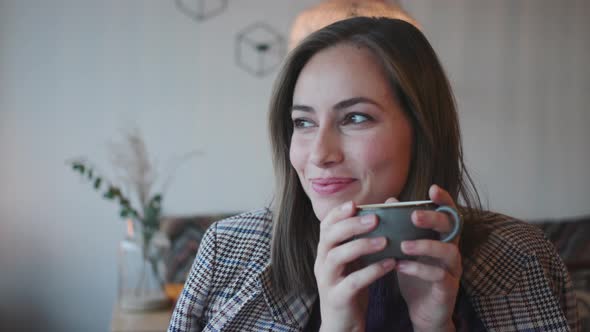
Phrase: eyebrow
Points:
(340, 105)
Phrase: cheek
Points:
(372, 151)
(375, 157)
(389, 160)
(297, 156)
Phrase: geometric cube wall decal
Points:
(201, 10)
(259, 49)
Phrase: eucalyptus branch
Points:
(136, 196)
(136, 173)
(110, 191)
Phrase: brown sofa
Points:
(571, 238)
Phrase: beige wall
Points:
(520, 70)
(73, 72)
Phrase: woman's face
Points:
(351, 139)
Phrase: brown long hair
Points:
(423, 90)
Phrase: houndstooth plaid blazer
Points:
(516, 282)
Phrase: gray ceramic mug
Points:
(395, 224)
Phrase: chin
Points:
(319, 213)
(322, 210)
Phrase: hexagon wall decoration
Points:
(201, 10)
(259, 49)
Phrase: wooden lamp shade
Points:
(330, 11)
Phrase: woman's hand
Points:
(430, 284)
(342, 286)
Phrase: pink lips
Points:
(328, 186)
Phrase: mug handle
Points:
(457, 222)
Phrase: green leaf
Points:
(157, 198)
(112, 192)
(76, 166)
(116, 191)
(109, 195)
(124, 213)
(97, 183)
(151, 216)
(156, 202)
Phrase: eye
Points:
(302, 123)
(356, 118)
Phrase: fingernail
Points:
(408, 245)
(419, 214)
(433, 190)
(403, 266)
(378, 241)
(388, 264)
(346, 206)
(367, 219)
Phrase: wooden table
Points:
(149, 321)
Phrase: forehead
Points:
(340, 72)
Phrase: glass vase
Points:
(142, 270)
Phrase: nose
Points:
(326, 149)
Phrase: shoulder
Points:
(259, 218)
(517, 261)
(508, 231)
(249, 226)
(232, 252)
(241, 240)
(511, 246)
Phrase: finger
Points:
(446, 254)
(335, 264)
(345, 229)
(441, 197)
(424, 271)
(338, 213)
(438, 221)
(361, 279)
(335, 215)
(391, 200)
(351, 251)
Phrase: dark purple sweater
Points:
(387, 310)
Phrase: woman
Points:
(362, 113)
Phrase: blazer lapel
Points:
(293, 309)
